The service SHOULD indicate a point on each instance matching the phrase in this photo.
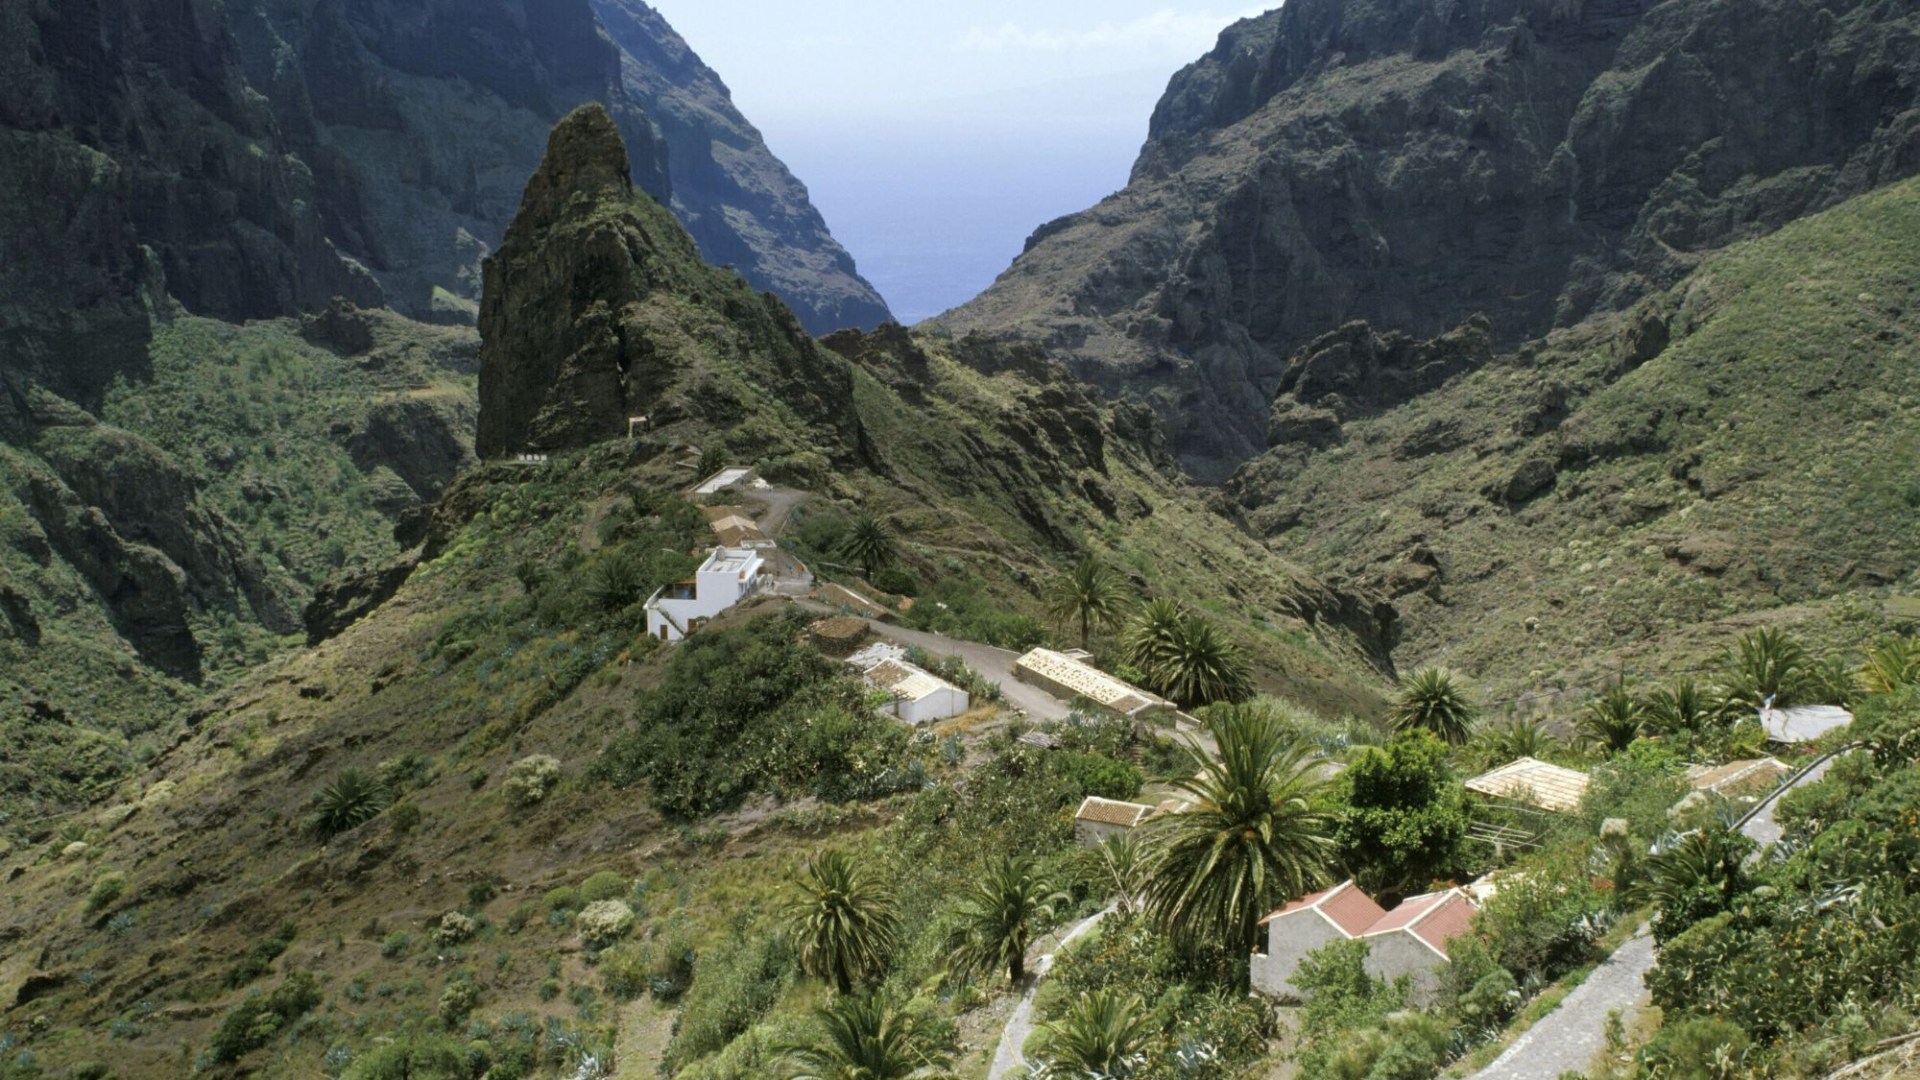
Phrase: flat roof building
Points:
(1068, 678)
(728, 576)
(1536, 783)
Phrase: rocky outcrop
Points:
(1411, 164)
(742, 205)
(344, 601)
(598, 308)
(1354, 372)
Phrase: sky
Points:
(936, 137)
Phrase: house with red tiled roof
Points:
(1411, 940)
(1305, 925)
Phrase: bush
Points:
(531, 779)
(605, 885)
(1406, 814)
(625, 969)
(107, 888)
(1095, 774)
(1697, 1049)
(416, 1056)
(256, 1021)
(260, 957)
(396, 945)
(404, 818)
(604, 922)
(735, 984)
(454, 929)
(564, 898)
(1545, 918)
(457, 1002)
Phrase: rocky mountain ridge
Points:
(1413, 164)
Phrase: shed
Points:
(1100, 818)
(1534, 782)
(1736, 778)
(1068, 678)
(917, 696)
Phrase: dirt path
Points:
(1007, 1057)
(646, 1026)
(597, 513)
(1569, 1038)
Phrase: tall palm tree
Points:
(1204, 666)
(1000, 914)
(842, 921)
(870, 543)
(862, 1038)
(1093, 594)
(1101, 1034)
(1433, 699)
(1613, 720)
(1892, 664)
(1258, 833)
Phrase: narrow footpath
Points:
(1007, 1056)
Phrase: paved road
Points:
(1569, 1038)
(1007, 1056)
(992, 663)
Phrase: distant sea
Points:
(933, 218)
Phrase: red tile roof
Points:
(1351, 911)
(1435, 918)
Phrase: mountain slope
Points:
(521, 632)
(1740, 448)
(1413, 164)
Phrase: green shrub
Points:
(107, 888)
(1095, 774)
(454, 929)
(396, 945)
(604, 922)
(259, 958)
(480, 893)
(734, 985)
(1405, 817)
(624, 970)
(458, 999)
(404, 818)
(563, 898)
(531, 779)
(1697, 1049)
(605, 885)
(414, 1057)
(256, 1021)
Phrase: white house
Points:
(729, 576)
(1309, 923)
(1411, 940)
(915, 694)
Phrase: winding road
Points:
(1568, 1039)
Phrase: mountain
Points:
(1621, 496)
(742, 206)
(235, 902)
(1415, 164)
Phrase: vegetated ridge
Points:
(1415, 164)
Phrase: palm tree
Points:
(862, 1038)
(1613, 720)
(1433, 699)
(1764, 664)
(1203, 666)
(870, 543)
(1000, 914)
(1122, 868)
(1513, 738)
(1100, 1034)
(1092, 594)
(1892, 664)
(842, 922)
(1699, 875)
(1149, 639)
(1681, 709)
(1257, 834)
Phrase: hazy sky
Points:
(935, 137)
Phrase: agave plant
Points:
(1433, 699)
(1892, 664)
(1101, 1034)
(1613, 720)
(355, 796)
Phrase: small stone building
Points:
(1068, 677)
(1411, 941)
(1100, 818)
(917, 696)
(1309, 923)
(1534, 782)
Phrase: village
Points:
(1408, 940)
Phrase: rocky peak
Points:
(586, 159)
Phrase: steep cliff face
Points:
(742, 206)
(598, 308)
(1412, 164)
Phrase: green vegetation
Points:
(870, 543)
(1257, 835)
(355, 797)
(1101, 1034)
(1000, 913)
(862, 1038)
(1092, 595)
(1432, 699)
(1403, 821)
(1185, 656)
(842, 922)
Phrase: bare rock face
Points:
(1412, 164)
(598, 308)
